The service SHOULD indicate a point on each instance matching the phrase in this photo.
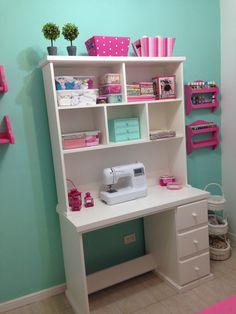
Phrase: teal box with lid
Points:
(121, 130)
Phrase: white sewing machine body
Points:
(135, 183)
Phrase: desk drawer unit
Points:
(124, 129)
(193, 242)
(194, 268)
(191, 215)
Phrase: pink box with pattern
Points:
(108, 46)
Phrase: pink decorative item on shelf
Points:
(164, 86)
(200, 127)
(110, 89)
(110, 78)
(201, 94)
(7, 137)
(154, 46)
(75, 200)
(74, 197)
(3, 83)
(88, 200)
(141, 98)
(108, 46)
(92, 138)
(73, 140)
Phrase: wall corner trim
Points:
(31, 298)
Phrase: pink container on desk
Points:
(164, 180)
(110, 89)
(108, 46)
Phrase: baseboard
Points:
(30, 298)
(187, 287)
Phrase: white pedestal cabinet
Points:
(175, 222)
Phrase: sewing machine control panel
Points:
(138, 172)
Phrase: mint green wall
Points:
(30, 246)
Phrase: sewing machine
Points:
(129, 180)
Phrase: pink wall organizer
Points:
(200, 127)
(201, 94)
(3, 83)
(7, 137)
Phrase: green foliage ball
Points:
(51, 31)
(70, 31)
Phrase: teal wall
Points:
(30, 245)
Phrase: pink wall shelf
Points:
(200, 127)
(205, 97)
(7, 137)
(3, 83)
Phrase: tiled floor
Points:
(147, 294)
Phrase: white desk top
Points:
(159, 199)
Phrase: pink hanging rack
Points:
(7, 137)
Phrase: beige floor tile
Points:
(134, 300)
(109, 309)
(175, 305)
(68, 311)
(161, 291)
(21, 310)
(156, 308)
(148, 294)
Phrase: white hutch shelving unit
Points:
(175, 222)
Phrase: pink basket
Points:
(108, 46)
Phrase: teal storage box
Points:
(121, 130)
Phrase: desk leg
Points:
(160, 240)
(76, 282)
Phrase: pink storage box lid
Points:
(108, 46)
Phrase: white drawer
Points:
(191, 215)
(193, 242)
(194, 268)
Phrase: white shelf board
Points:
(158, 200)
(70, 60)
(160, 101)
(126, 143)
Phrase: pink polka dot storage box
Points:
(108, 46)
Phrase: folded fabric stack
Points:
(157, 134)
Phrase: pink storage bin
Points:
(110, 89)
(73, 140)
(108, 46)
(92, 138)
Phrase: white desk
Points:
(176, 238)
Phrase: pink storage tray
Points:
(108, 46)
(7, 137)
(110, 89)
(141, 98)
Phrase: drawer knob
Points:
(194, 215)
(197, 268)
(195, 241)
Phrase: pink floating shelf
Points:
(201, 127)
(206, 97)
(3, 83)
(7, 137)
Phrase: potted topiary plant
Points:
(51, 31)
(70, 32)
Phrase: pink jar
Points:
(164, 180)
